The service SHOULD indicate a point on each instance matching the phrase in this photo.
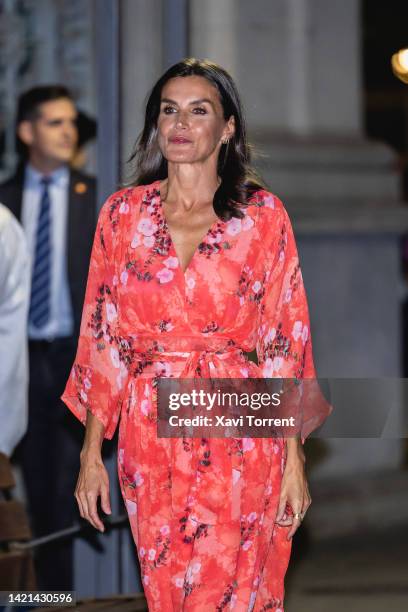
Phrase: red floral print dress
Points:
(202, 511)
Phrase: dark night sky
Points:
(385, 31)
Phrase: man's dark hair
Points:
(30, 101)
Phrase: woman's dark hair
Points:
(238, 179)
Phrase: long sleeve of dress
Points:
(14, 300)
(97, 375)
(284, 345)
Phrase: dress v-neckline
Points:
(170, 239)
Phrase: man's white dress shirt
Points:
(61, 321)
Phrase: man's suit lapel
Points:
(75, 207)
(15, 193)
(80, 233)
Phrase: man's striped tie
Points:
(41, 279)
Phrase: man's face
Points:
(53, 135)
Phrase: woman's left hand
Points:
(294, 492)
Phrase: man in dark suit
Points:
(56, 206)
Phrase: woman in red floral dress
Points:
(191, 268)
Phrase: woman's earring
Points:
(225, 141)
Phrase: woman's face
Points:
(191, 123)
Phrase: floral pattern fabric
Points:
(202, 511)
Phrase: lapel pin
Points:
(80, 188)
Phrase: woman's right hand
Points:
(93, 481)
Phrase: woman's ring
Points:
(298, 515)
